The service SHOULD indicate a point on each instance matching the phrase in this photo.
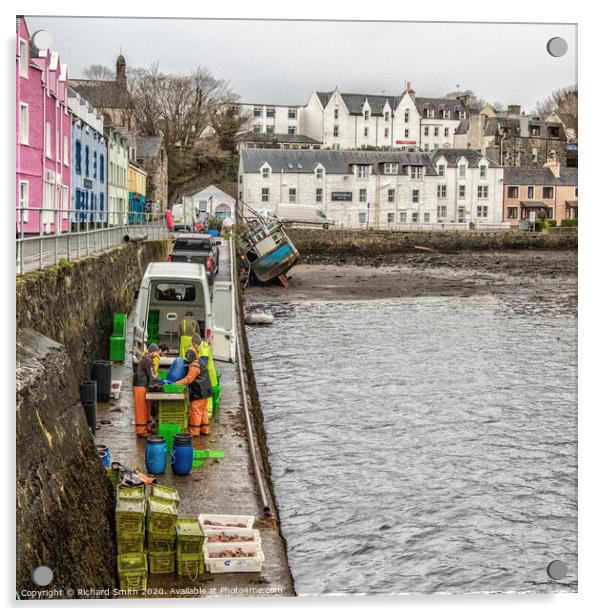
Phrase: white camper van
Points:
(303, 215)
(167, 292)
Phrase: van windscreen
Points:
(175, 292)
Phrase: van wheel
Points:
(325, 226)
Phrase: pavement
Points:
(224, 485)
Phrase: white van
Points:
(167, 292)
(301, 215)
(183, 217)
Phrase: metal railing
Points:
(45, 236)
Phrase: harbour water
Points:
(422, 445)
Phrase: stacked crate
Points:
(189, 546)
(174, 412)
(117, 341)
(152, 327)
(161, 518)
(129, 522)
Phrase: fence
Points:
(61, 234)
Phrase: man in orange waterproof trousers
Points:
(199, 390)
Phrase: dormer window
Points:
(462, 171)
(387, 116)
(446, 114)
(535, 131)
(430, 113)
(441, 169)
(462, 115)
(483, 171)
(362, 171)
(415, 172)
(319, 173)
(406, 116)
(336, 114)
(554, 132)
(265, 173)
(366, 114)
(391, 168)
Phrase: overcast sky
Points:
(282, 62)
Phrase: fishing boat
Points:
(267, 247)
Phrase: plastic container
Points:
(102, 376)
(162, 374)
(182, 454)
(174, 389)
(173, 412)
(153, 317)
(87, 393)
(156, 455)
(168, 431)
(130, 543)
(129, 515)
(231, 522)
(126, 492)
(165, 493)
(162, 562)
(190, 568)
(132, 569)
(117, 348)
(245, 536)
(120, 324)
(189, 536)
(220, 564)
(177, 371)
(105, 455)
(161, 542)
(162, 515)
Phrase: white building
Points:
(211, 201)
(396, 190)
(272, 119)
(470, 187)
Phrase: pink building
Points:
(43, 137)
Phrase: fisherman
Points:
(199, 390)
(202, 349)
(163, 351)
(143, 378)
(188, 327)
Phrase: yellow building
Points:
(137, 193)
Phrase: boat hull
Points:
(275, 263)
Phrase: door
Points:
(223, 339)
(140, 318)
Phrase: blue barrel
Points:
(105, 455)
(156, 455)
(182, 454)
(177, 371)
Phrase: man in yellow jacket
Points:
(203, 350)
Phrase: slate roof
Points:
(148, 146)
(282, 137)
(102, 94)
(334, 161)
(462, 128)
(453, 105)
(540, 176)
(355, 102)
(493, 126)
(453, 155)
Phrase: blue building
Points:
(88, 163)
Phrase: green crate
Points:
(190, 536)
(161, 515)
(162, 563)
(162, 374)
(153, 316)
(132, 563)
(117, 348)
(133, 492)
(166, 493)
(159, 543)
(129, 515)
(173, 388)
(131, 582)
(113, 475)
(173, 412)
(190, 568)
(168, 431)
(216, 397)
(130, 543)
(120, 324)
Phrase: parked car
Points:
(197, 248)
(302, 215)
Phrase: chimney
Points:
(554, 167)
(409, 90)
(513, 111)
(120, 70)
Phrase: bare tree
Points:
(563, 100)
(99, 71)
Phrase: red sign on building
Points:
(401, 142)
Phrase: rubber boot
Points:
(141, 411)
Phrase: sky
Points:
(283, 62)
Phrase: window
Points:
(391, 168)
(95, 165)
(265, 195)
(441, 211)
(366, 129)
(291, 130)
(442, 191)
(265, 173)
(366, 114)
(426, 217)
(319, 195)
(174, 292)
(387, 116)
(461, 214)
(87, 162)
(554, 132)
(292, 114)
(292, 195)
(462, 115)
(416, 173)
(78, 158)
(66, 150)
(426, 131)
(391, 217)
(436, 131)
(363, 195)
(256, 112)
(414, 216)
(530, 192)
(270, 112)
(319, 173)
(406, 133)
(482, 192)
(23, 58)
(461, 191)
(361, 217)
(336, 114)
(482, 211)
(446, 114)
(462, 171)
(512, 213)
(547, 192)
(24, 200)
(406, 116)
(256, 128)
(512, 192)
(57, 141)
(362, 171)
(534, 155)
(483, 171)
(102, 168)
(403, 217)
(441, 169)
(48, 140)
(446, 132)
(391, 195)
(24, 123)
(430, 113)
(269, 129)
(101, 201)
(335, 130)
(415, 196)
(535, 131)
(240, 178)
(386, 132)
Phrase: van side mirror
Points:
(218, 242)
(136, 293)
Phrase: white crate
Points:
(233, 565)
(221, 521)
(239, 533)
